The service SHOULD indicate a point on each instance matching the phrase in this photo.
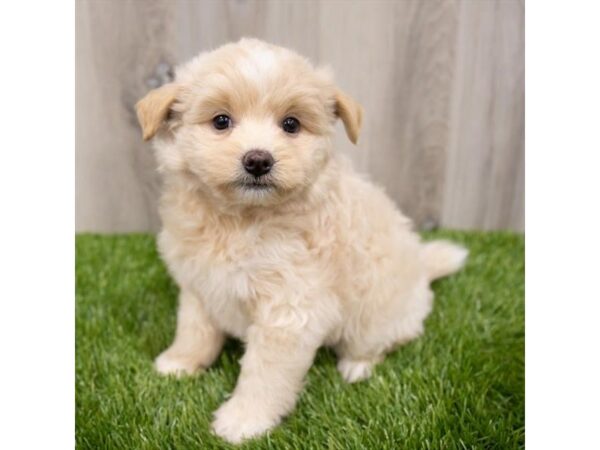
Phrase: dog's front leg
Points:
(272, 373)
(197, 341)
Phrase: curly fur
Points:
(318, 257)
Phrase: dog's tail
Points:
(443, 258)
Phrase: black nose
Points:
(258, 162)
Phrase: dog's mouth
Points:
(255, 184)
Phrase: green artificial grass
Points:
(461, 385)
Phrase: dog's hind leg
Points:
(356, 358)
(354, 370)
(379, 331)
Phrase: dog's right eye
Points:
(221, 122)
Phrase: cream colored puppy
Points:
(271, 237)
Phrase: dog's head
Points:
(248, 124)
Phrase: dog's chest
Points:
(228, 268)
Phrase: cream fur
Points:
(322, 257)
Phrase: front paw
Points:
(237, 420)
(173, 363)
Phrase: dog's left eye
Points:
(290, 125)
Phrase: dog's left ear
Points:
(351, 113)
(154, 107)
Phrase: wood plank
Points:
(206, 25)
(119, 45)
(485, 171)
(414, 161)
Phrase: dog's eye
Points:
(221, 122)
(290, 125)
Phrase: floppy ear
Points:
(348, 109)
(153, 109)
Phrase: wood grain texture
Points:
(441, 82)
(485, 171)
(118, 46)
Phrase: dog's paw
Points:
(355, 370)
(170, 363)
(236, 421)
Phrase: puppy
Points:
(272, 237)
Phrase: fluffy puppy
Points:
(272, 237)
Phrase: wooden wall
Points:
(442, 83)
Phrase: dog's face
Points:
(248, 124)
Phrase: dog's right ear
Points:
(154, 107)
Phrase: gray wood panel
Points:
(118, 46)
(485, 171)
(442, 84)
